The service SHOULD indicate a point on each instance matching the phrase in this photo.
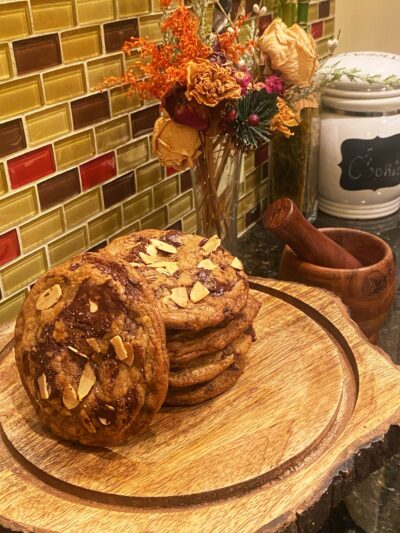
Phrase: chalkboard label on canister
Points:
(370, 163)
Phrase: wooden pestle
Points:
(285, 220)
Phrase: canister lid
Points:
(380, 63)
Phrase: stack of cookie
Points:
(203, 296)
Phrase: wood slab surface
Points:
(316, 409)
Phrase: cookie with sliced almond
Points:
(90, 350)
(197, 283)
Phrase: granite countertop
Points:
(373, 505)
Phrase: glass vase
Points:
(215, 180)
(294, 163)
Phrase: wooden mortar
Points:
(367, 291)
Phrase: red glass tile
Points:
(317, 29)
(31, 167)
(9, 246)
(171, 171)
(261, 155)
(98, 170)
(263, 23)
(186, 181)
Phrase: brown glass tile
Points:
(90, 109)
(324, 9)
(98, 247)
(116, 33)
(143, 121)
(119, 189)
(253, 215)
(261, 155)
(176, 225)
(59, 188)
(186, 181)
(12, 137)
(37, 53)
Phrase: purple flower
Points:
(274, 85)
(244, 79)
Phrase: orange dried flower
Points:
(229, 42)
(209, 83)
(284, 119)
(162, 65)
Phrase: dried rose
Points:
(174, 144)
(185, 112)
(209, 83)
(274, 85)
(284, 119)
(291, 51)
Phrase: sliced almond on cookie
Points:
(93, 307)
(170, 266)
(179, 296)
(151, 250)
(147, 259)
(163, 246)
(86, 421)
(49, 297)
(135, 264)
(94, 345)
(207, 264)
(131, 354)
(237, 264)
(74, 350)
(88, 379)
(43, 389)
(119, 348)
(212, 244)
(70, 399)
(198, 292)
(104, 421)
(163, 271)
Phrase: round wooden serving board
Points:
(276, 451)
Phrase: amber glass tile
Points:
(313, 12)
(12, 137)
(150, 27)
(81, 44)
(180, 206)
(112, 134)
(22, 272)
(246, 203)
(37, 53)
(83, 207)
(49, 15)
(253, 180)
(5, 62)
(14, 20)
(64, 83)
(116, 33)
(322, 47)
(42, 229)
(166, 191)
(132, 155)
(143, 121)
(9, 308)
(58, 189)
(17, 207)
(249, 162)
(138, 206)
(158, 219)
(48, 124)
(119, 189)
(329, 27)
(100, 69)
(67, 246)
(241, 226)
(105, 225)
(74, 149)
(20, 96)
(127, 230)
(149, 175)
(122, 102)
(189, 223)
(90, 109)
(3, 181)
(130, 8)
(94, 10)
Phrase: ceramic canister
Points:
(359, 171)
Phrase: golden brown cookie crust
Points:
(221, 383)
(185, 346)
(90, 350)
(193, 279)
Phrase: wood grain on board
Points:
(316, 409)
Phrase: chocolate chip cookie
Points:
(183, 346)
(197, 283)
(222, 382)
(90, 350)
